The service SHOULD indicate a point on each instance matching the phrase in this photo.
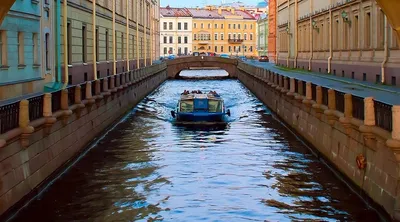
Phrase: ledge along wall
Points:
(54, 127)
(360, 136)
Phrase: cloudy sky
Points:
(194, 3)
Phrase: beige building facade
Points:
(352, 39)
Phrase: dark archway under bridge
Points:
(175, 66)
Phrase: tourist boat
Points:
(198, 107)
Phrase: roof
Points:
(175, 12)
(213, 14)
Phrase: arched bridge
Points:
(175, 66)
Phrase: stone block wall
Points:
(339, 138)
(24, 167)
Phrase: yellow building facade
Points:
(224, 31)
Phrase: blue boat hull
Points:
(201, 117)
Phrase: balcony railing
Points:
(235, 41)
(203, 42)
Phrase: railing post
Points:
(348, 106)
(88, 90)
(285, 84)
(47, 105)
(78, 98)
(24, 113)
(308, 91)
(27, 130)
(292, 87)
(396, 122)
(64, 99)
(300, 87)
(369, 111)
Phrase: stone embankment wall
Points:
(30, 153)
(367, 154)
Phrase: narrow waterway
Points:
(148, 169)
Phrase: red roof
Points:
(175, 12)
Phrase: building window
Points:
(234, 26)
(222, 26)
(245, 36)
(234, 48)
(194, 25)
(222, 48)
(185, 26)
(381, 32)
(251, 48)
(368, 30)
(209, 26)
(251, 26)
(194, 47)
(234, 36)
(215, 48)
(185, 39)
(239, 36)
(393, 80)
(122, 46)
(202, 26)
(179, 51)
(35, 48)
(230, 48)
(179, 26)
(3, 48)
(165, 50)
(222, 36)
(165, 25)
(171, 39)
(171, 26)
(251, 36)
(165, 39)
(355, 26)
(83, 44)
(215, 26)
(20, 48)
(170, 50)
(238, 26)
(97, 45)
(245, 26)
(229, 26)
(46, 45)
(194, 37)
(186, 50)
(209, 47)
(107, 46)
(69, 42)
(179, 39)
(215, 36)
(229, 36)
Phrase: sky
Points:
(200, 3)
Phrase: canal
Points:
(148, 169)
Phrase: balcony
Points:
(235, 41)
(203, 42)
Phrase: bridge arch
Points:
(175, 66)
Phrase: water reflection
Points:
(148, 169)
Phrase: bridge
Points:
(175, 66)
(357, 133)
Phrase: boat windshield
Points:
(186, 106)
(214, 106)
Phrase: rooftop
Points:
(175, 12)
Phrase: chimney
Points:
(219, 11)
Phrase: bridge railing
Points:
(47, 105)
(367, 110)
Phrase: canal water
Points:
(148, 169)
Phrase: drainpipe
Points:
(58, 39)
(311, 38)
(145, 33)
(65, 22)
(386, 51)
(330, 38)
(296, 45)
(94, 39)
(114, 40)
(265, 37)
(288, 36)
(151, 34)
(127, 35)
(137, 35)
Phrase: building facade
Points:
(272, 30)
(224, 31)
(176, 31)
(344, 38)
(116, 38)
(262, 36)
(20, 54)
